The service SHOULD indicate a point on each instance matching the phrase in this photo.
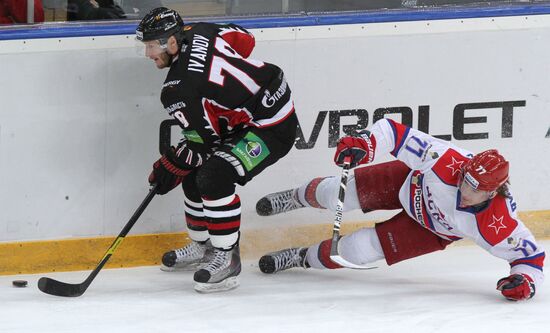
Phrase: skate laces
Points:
(287, 259)
(284, 201)
(192, 251)
(220, 261)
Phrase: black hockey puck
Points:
(19, 283)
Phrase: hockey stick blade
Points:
(58, 288)
(344, 263)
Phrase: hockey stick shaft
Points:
(58, 288)
(340, 206)
(334, 254)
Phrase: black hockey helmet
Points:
(159, 24)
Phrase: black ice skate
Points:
(279, 202)
(188, 258)
(280, 260)
(220, 274)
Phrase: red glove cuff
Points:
(517, 287)
(172, 168)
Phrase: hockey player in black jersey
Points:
(238, 118)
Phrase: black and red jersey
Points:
(213, 88)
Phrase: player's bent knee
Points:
(215, 179)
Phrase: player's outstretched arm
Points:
(518, 247)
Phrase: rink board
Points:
(147, 250)
(79, 124)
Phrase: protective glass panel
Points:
(14, 12)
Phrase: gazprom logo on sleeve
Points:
(270, 99)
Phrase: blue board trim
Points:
(65, 30)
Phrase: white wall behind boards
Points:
(79, 117)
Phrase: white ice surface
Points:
(448, 291)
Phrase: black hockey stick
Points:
(58, 288)
(334, 255)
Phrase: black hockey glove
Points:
(167, 173)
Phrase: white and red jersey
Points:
(430, 195)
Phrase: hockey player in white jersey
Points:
(446, 194)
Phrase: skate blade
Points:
(186, 268)
(225, 285)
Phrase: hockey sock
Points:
(361, 247)
(323, 193)
(224, 220)
(307, 193)
(318, 256)
(196, 222)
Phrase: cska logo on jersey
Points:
(455, 165)
(497, 224)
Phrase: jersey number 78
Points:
(221, 67)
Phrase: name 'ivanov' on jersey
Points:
(213, 88)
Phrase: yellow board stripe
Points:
(146, 250)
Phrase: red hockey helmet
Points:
(486, 171)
